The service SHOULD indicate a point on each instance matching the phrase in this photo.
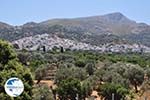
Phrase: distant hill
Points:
(114, 27)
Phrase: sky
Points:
(18, 12)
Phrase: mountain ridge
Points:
(93, 29)
(114, 14)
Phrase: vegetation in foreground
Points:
(77, 73)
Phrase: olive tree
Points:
(72, 72)
(42, 92)
(69, 89)
(73, 89)
(107, 90)
(135, 74)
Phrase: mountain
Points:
(5, 26)
(115, 23)
(95, 30)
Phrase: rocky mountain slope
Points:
(95, 30)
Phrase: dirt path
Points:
(47, 82)
(145, 96)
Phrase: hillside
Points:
(95, 30)
(46, 42)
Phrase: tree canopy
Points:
(11, 67)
